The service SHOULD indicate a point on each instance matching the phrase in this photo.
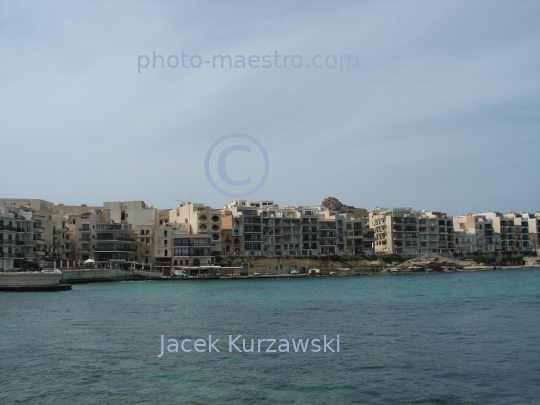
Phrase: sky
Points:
(442, 111)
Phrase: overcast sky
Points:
(442, 113)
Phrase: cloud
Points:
(443, 91)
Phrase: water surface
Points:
(452, 338)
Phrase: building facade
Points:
(405, 231)
(17, 245)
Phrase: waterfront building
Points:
(17, 246)
(281, 233)
(49, 231)
(310, 233)
(405, 231)
(270, 230)
(231, 233)
(247, 225)
(533, 220)
(513, 230)
(51, 235)
(475, 233)
(143, 220)
(99, 238)
(175, 246)
(202, 220)
(464, 240)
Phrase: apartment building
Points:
(310, 233)
(231, 233)
(50, 233)
(513, 230)
(247, 225)
(358, 237)
(16, 238)
(98, 237)
(143, 220)
(267, 229)
(175, 246)
(405, 231)
(202, 220)
(475, 233)
(533, 220)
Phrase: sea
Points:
(443, 338)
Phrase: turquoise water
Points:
(452, 338)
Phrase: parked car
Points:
(256, 274)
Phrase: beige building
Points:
(75, 209)
(98, 237)
(17, 247)
(405, 231)
(143, 220)
(513, 229)
(478, 233)
(270, 230)
(33, 203)
(176, 247)
(231, 233)
(202, 220)
(50, 234)
(533, 220)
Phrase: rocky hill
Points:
(334, 204)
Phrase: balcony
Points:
(112, 250)
(102, 238)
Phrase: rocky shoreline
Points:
(438, 264)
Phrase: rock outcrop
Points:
(426, 265)
(334, 204)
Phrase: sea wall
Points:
(82, 275)
(278, 265)
(8, 279)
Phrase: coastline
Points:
(65, 285)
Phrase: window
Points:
(181, 251)
(199, 242)
(181, 241)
